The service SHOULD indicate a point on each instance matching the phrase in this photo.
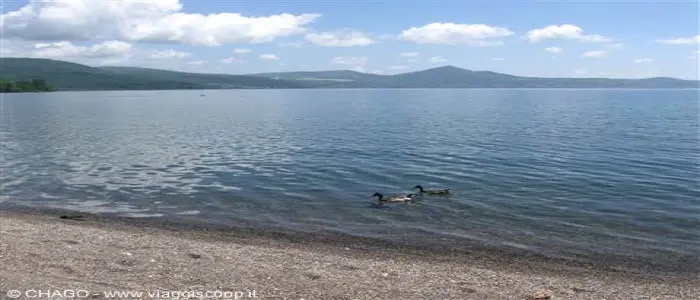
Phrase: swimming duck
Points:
(432, 192)
(406, 198)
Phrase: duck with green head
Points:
(406, 198)
(432, 191)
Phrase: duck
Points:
(433, 191)
(398, 198)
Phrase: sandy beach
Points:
(46, 254)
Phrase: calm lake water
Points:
(561, 172)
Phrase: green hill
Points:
(211, 81)
(337, 75)
(453, 77)
(326, 79)
(71, 76)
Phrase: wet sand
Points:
(42, 252)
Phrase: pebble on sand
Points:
(542, 295)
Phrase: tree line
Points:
(19, 86)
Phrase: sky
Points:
(623, 39)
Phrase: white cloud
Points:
(242, 51)
(197, 62)
(342, 38)
(233, 60)
(268, 57)
(564, 31)
(486, 43)
(358, 64)
(388, 37)
(595, 38)
(681, 41)
(454, 34)
(152, 21)
(9, 50)
(438, 59)
(553, 49)
(409, 54)
(580, 71)
(412, 60)
(595, 54)
(694, 55)
(110, 48)
(498, 59)
(398, 68)
(642, 60)
(354, 61)
(169, 54)
(292, 44)
(615, 46)
(65, 49)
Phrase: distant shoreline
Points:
(65, 75)
(357, 88)
(30, 92)
(42, 251)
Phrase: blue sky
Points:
(549, 39)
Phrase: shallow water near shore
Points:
(568, 173)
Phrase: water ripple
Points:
(567, 173)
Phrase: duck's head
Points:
(419, 187)
(377, 195)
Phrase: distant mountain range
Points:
(71, 76)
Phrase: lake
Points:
(568, 173)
